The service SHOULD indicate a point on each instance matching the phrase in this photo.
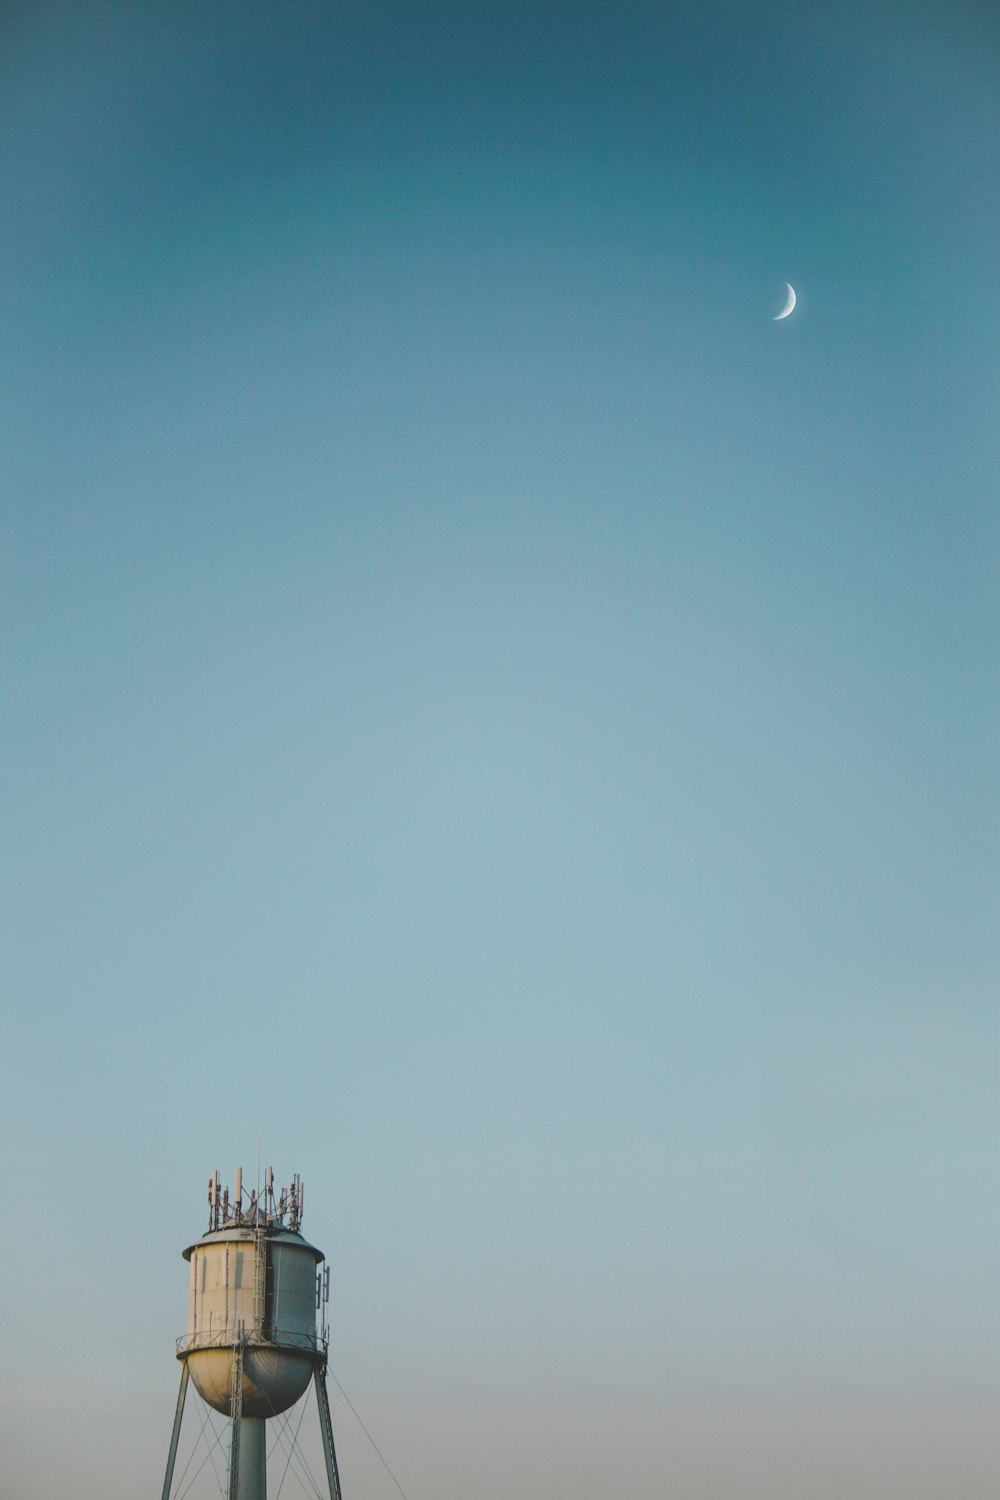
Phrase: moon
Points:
(788, 305)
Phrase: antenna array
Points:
(225, 1209)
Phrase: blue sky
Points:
(493, 714)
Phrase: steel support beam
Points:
(168, 1478)
(329, 1452)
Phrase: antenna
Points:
(213, 1201)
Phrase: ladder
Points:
(260, 1274)
(237, 1413)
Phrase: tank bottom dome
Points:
(274, 1377)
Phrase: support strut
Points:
(168, 1478)
(330, 1453)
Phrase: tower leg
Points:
(253, 1460)
(168, 1478)
(323, 1402)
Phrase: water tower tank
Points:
(258, 1291)
(253, 1344)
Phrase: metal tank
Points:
(253, 1343)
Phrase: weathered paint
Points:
(223, 1310)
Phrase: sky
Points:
(494, 716)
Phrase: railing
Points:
(228, 1337)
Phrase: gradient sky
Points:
(488, 711)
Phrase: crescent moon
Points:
(788, 305)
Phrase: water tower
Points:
(254, 1342)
